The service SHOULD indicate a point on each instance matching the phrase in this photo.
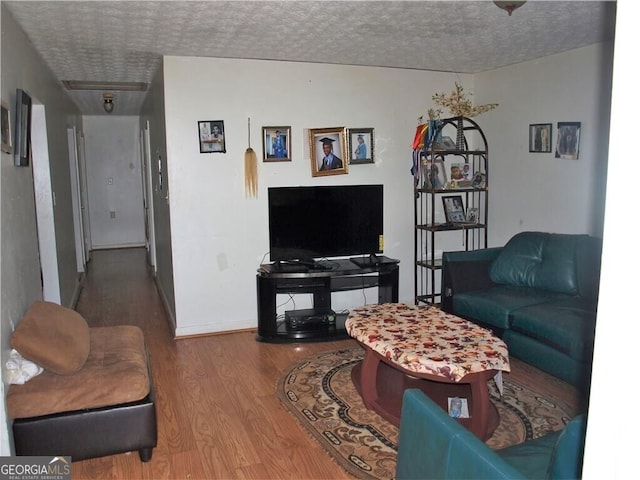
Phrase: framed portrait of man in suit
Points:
(329, 154)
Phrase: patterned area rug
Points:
(320, 394)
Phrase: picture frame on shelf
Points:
(435, 175)
(568, 142)
(479, 180)
(361, 146)
(22, 145)
(473, 215)
(6, 128)
(448, 143)
(454, 209)
(212, 136)
(540, 137)
(328, 147)
(276, 144)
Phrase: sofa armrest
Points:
(466, 271)
(432, 445)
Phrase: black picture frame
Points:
(540, 137)
(568, 143)
(361, 146)
(454, 209)
(22, 144)
(212, 136)
(7, 140)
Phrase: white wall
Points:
(22, 67)
(114, 181)
(536, 191)
(220, 237)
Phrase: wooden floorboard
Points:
(218, 412)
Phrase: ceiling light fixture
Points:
(108, 102)
(122, 86)
(509, 6)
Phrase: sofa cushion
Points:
(115, 373)
(54, 337)
(540, 260)
(494, 306)
(566, 325)
(531, 458)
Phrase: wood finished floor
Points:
(218, 413)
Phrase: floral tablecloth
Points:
(424, 339)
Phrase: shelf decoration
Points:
(459, 105)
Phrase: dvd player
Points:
(309, 319)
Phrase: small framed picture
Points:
(454, 209)
(479, 180)
(360, 146)
(276, 144)
(22, 148)
(212, 136)
(540, 138)
(448, 143)
(328, 147)
(6, 129)
(473, 215)
(435, 175)
(568, 143)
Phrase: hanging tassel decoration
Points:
(250, 168)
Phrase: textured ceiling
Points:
(123, 41)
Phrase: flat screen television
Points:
(307, 222)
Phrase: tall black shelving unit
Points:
(457, 140)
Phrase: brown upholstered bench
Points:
(100, 406)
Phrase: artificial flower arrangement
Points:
(458, 104)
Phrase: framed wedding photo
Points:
(276, 144)
(328, 147)
(212, 136)
(540, 138)
(6, 129)
(360, 146)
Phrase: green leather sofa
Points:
(433, 445)
(538, 293)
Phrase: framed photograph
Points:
(6, 129)
(454, 209)
(360, 146)
(276, 144)
(448, 144)
(479, 180)
(211, 134)
(436, 175)
(568, 143)
(540, 138)
(473, 215)
(328, 147)
(22, 146)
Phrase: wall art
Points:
(540, 138)
(568, 143)
(22, 145)
(361, 146)
(328, 147)
(276, 144)
(6, 128)
(212, 136)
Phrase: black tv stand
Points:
(371, 260)
(328, 276)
